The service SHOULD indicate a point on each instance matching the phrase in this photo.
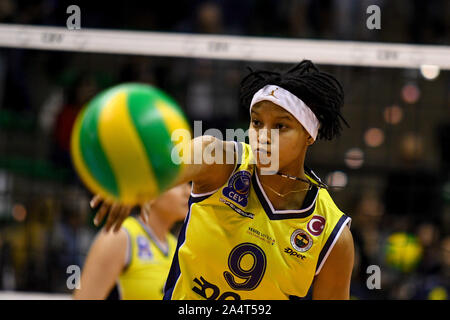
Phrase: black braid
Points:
(319, 90)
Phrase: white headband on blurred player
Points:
(291, 104)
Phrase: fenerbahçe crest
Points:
(301, 240)
(238, 188)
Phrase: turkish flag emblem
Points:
(315, 225)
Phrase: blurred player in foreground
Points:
(134, 262)
(254, 232)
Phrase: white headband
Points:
(290, 103)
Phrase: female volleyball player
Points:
(134, 262)
(255, 233)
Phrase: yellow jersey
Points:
(235, 245)
(147, 263)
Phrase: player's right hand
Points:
(116, 212)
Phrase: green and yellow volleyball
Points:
(122, 144)
(403, 251)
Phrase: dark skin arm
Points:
(103, 265)
(333, 281)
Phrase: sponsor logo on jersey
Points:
(210, 291)
(316, 225)
(237, 209)
(261, 236)
(291, 252)
(238, 188)
(301, 240)
(144, 251)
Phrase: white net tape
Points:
(224, 47)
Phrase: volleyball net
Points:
(243, 48)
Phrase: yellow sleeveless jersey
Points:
(148, 263)
(235, 245)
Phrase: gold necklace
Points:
(283, 195)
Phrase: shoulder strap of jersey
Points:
(342, 221)
(130, 226)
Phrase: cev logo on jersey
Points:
(144, 251)
(238, 188)
(316, 225)
(301, 240)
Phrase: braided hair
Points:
(320, 91)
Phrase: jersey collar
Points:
(163, 247)
(307, 208)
